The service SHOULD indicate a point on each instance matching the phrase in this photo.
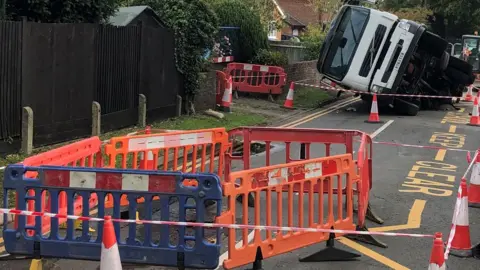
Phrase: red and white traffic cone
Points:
(289, 100)
(469, 95)
(461, 244)
(475, 119)
(474, 187)
(437, 260)
(110, 257)
(227, 95)
(374, 117)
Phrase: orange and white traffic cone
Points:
(289, 100)
(437, 260)
(474, 187)
(461, 244)
(475, 119)
(227, 95)
(374, 117)
(469, 95)
(110, 257)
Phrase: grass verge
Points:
(307, 97)
(200, 121)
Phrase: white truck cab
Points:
(376, 52)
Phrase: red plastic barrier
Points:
(257, 78)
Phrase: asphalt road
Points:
(400, 195)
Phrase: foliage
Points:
(195, 25)
(313, 39)
(270, 58)
(326, 7)
(417, 14)
(222, 47)
(66, 11)
(454, 17)
(263, 8)
(252, 35)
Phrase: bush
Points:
(195, 25)
(251, 37)
(313, 39)
(270, 58)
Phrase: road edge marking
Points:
(372, 254)
(414, 220)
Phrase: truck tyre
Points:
(460, 65)
(444, 61)
(433, 43)
(406, 107)
(458, 76)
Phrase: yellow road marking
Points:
(320, 113)
(414, 219)
(372, 254)
(452, 129)
(440, 155)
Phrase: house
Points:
(135, 15)
(296, 15)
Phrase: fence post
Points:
(179, 106)
(142, 110)
(96, 118)
(27, 130)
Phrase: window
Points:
(272, 30)
(295, 32)
(345, 41)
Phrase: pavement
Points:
(414, 189)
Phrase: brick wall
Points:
(205, 98)
(303, 71)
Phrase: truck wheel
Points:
(406, 107)
(433, 43)
(460, 65)
(444, 61)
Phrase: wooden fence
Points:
(60, 69)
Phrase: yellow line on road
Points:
(414, 219)
(372, 254)
(440, 156)
(320, 113)
(452, 129)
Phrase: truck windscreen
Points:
(344, 41)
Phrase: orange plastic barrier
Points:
(186, 151)
(84, 153)
(323, 209)
(327, 141)
(257, 78)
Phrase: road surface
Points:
(409, 199)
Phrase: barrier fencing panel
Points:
(84, 153)
(186, 151)
(100, 182)
(257, 78)
(306, 141)
(316, 206)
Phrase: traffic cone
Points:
(474, 120)
(110, 257)
(374, 118)
(474, 187)
(437, 260)
(461, 244)
(469, 95)
(289, 100)
(227, 95)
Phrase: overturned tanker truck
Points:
(373, 51)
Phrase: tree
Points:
(252, 34)
(327, 7)
(195, 25)
(61, 11)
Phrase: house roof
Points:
(125, 15)
(298, 12)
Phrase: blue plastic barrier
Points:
(85, 181)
